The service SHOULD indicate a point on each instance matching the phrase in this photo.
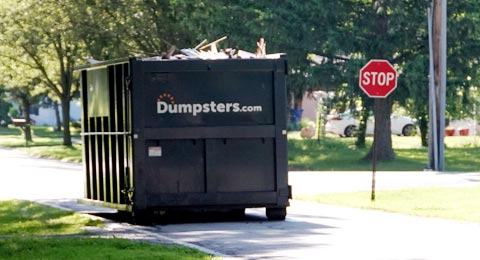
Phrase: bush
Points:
(76, 124)
(306, 123)
(13, 112)
(302, 124)
(4, 109)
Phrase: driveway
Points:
(311, 231)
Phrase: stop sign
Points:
(378, 78)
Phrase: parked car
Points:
(346, 125)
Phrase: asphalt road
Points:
(311, 231)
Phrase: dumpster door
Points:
(206, 132)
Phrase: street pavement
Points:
(311, 231)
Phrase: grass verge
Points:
(60, 152)
(24, 225)
(92, 248)
(46, 143)
(328, 154)
(341, 154)
(450, 203)
(25, 218)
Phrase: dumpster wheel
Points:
(276, 213)
(142, 217)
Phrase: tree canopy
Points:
(326, 42)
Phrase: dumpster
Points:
(162, 135)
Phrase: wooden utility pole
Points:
(437, 22)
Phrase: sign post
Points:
(378, 79)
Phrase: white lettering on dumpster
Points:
(169, 106)
(212, 107)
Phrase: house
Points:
(45, 116)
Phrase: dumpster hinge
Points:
(286, 192)
(128, 193)
(127, 190)
(128, 80)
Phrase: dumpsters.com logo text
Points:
(166, 104)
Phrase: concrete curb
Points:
(125, 230)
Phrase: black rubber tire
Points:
(349, 131)
(142, 217)
(276, 213)
(237, 213)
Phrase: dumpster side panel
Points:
(209, 98)
(209, 134)
(240, 165)
(175, 166)
(281, 149)
(105, 133)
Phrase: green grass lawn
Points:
(92, 249)
(60, 152)
(24, 225)
(340, 154)
(46, 143)
(450, 203)
(328, 154)
(25, 218)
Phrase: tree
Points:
(26, 95)
(113, 29)
(23, 86)
(4, 108)
(38, 35)
(415, 81)
(383, 29)
(463, 76)
(461, 65)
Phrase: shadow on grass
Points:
(462, 159)
(325, 155)
(21, 218)
(341, 154)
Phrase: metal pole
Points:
(432, 134)
(374, 157)
(443, 85)
(374, 166)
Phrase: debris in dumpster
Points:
(261, 48)
(213, 45)
(210, 51)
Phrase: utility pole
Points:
(437, 23)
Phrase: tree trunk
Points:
(27, 130)
(58, 120)
(67, 137)
(382, 106)
(423, 125)
(362, 128)
(382, 132)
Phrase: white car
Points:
(346, 125)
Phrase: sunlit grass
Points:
(92, 248)
(327, 154)
(451, 203)
(340, 154)
(24, 218)
(46, 143)
(24, 225)
(60, 152)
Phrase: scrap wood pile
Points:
(209, 51)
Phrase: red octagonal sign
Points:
(378, 78)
